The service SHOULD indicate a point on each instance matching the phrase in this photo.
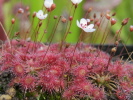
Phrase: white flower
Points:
(40, 15)
(76, 1)
(48, 3)
(83, 25)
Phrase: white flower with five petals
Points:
(48, 3)
(75, 2)
(83, 24)
(40, 15)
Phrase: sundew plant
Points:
(34, 70)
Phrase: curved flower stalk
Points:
(40, 15)
(83, 24)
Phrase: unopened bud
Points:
(67, 45)
(70, 18)
(34, 14)
(125, 21)
(20, 10)
(113, 49)
(13, 21)
(113, 14)
(63, 20)
(17, 33)
(89, 10)
(116, 42)
(40, 24)
(113, 21)
(53, 7)
(131, 28)
(107, 16)
(55, 17)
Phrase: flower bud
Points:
(131, 28)
(89, 10)
(125, 21)
(116, 42)
(13, 21)
(63, 20)
(55, 17)
(113, 21)
(20, 10)
(17, 33)
(113, 49)
(34, 14)
(70, 18)
(53, 7)
(113, 14)
(107, 16)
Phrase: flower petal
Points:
(90, 26)
(48, 3)
(88, 20)
(88, 30)
(76, 1)
(83, 21)
(40, 12)
(45, 16)
(78, 24)
(79, 1)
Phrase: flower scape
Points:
(64, 71)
